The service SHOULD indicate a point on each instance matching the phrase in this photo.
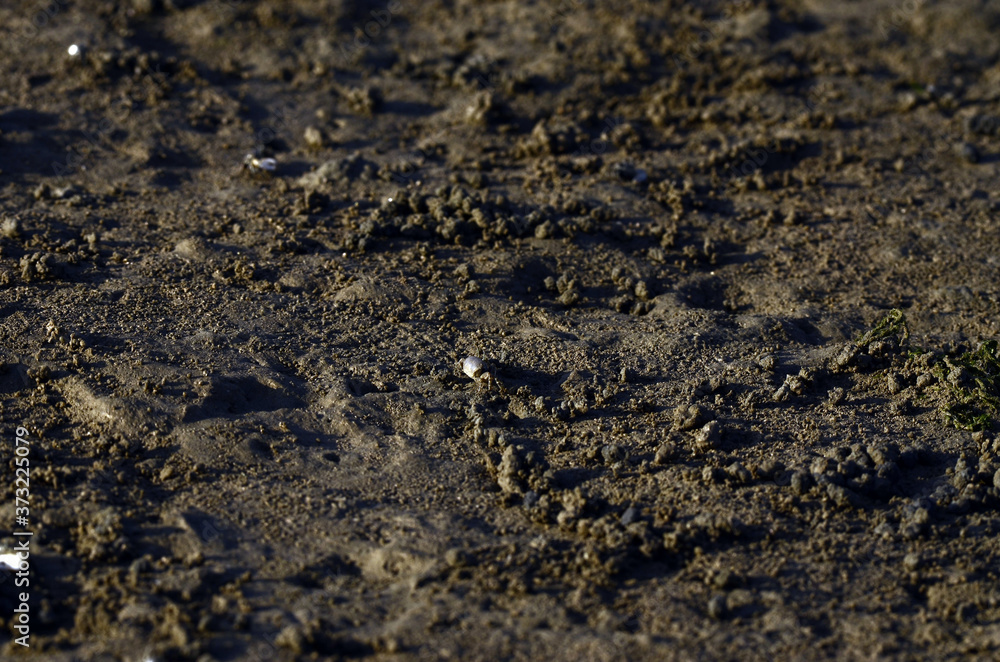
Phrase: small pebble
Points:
(9, 228)
(767, 362)
(456, 558)
(738, 473)
(631, 515)
(908, 100)
(569, 298)
(293, 638)
(688, 417)
(613, 453)
(667, 451)
(835, 396)
(967, 152)
(711, 475)
(882, 453)
(987, 125)
(313, 137)
(770, 469)
(545, 230)
(624, 171)
(709, 436)
(725, 579)
(800, 482)
(717, 607)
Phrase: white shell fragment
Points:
(256, 165)
(9, 561)
(472, 366)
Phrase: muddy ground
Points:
(732, 269)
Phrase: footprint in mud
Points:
(242, 394)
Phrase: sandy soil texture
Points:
(732, 270)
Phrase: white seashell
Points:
(9, 561)
(472, 366)
(255, 165)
